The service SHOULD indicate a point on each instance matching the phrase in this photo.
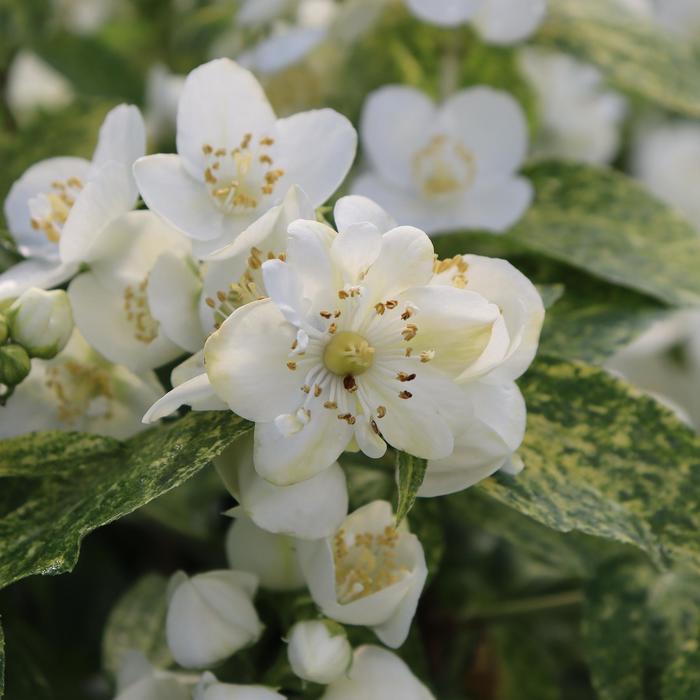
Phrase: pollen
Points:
(50, 210)
(138, 314)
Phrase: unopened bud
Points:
(41, 321)
(4, 330)
(14, 364)
(319, 651)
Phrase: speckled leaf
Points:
(137, 623)
(607, 224)
(604, 461)
(637, 56)
(681, 679)
(43, 534)
(410, 472)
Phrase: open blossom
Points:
(122, 305)
(446, 167)
(59, 206)
(370, 573)
(236, 160)
(498, 21)
(360, 340)
(581, 119)
(79, 390)
(377, 674)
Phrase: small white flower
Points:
(319, 651)
(80, 391)
(309, 510)
(41, 322)
(369, 573)
(448, 167)
(210, 689)
(498, 21)
(122, 305)
(163, 91)
(581, 120)
(236, 160)
(377, 674)
(211, 616)
(666, 158)
(271, 557)
(60, 206)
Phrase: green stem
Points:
(526, 606)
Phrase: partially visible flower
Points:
(498, 21)
(123, 305)
(581, 120)
(271, 557)
(79, 391)
(138, 680)
(211, 616)
(309, 510)
(209, 688)
(32, 85)
(15, 365)
(448, 167)
(666, 158)
(236, 160)
(84, 16)
(377, 674)
(370, 573)
(163, 91)
(41, 322)
(59, 206)
(319, 651)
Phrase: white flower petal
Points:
(355, 209)
(446, 13)
(246, 360)
(37, 180)
(122, 139)
(315, 150)
(174, 286)
(509, 21)
(220, 103)
(253, 12)
(34, 273)
(355, 250)
(390, 138)
(283, 49)
(190, 393)
(182, 201)
(494, 208)
(284, 287)
(492, 125)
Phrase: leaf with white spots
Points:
(410, 472)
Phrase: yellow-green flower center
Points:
(348, 353)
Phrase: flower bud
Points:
(319, 651)
(42, 322)
(14, 364)
(211, 616)
(4, 330)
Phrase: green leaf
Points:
(604, 461)
(682, 678)
(636, 55)
(43, 534)
(610, 226)
(2, 662)
(410, 472)
(137, 623)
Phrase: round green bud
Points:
(14, 364)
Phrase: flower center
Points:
(443, 167)
(238, 180)
(365, 563)
(49, 211)
(138, 314)
(80, 391)
(348, 353)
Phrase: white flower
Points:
(59, 207)
(377, 674)
(498, 21)
(79, 391)
(32, 84)
(666, 158)
(211, 616)
(236, 160)
(163, 91)
(271, 557)
(210, 689)
(41, 322)
(319, 651)
(308, 510)
(138, 680)
(84, 16)
(358, 341)
(369, 573)
(448, 167)
(580, 119)
(122, 305)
